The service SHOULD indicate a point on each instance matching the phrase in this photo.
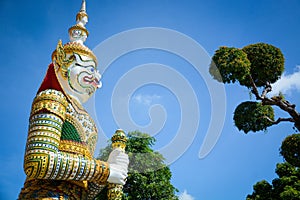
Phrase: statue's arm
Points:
(43, 160)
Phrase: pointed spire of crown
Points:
(78, 32)
(83, 6)
(81, 14)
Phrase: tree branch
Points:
(280, 120)
(267, 89)
(276, 101)
(254, 88)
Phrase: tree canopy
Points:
(253, 116)
(148, 177)
(285, 187)
(263, 62)
(267, 63)
(290, 149)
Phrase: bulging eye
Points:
(91, 69)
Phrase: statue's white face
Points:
(82, 78)
(83, 21)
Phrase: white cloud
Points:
(145, 99)
(287, 83)
(185, 196)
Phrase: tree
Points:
(285, 187)
(290, 149)
(148, 177)
(256, 67)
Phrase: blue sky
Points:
(29, 34)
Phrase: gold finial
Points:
(83, 6)
(82, 13)
(119, 140)
(115, 191)
(78, 32)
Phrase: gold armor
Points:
(61, 141)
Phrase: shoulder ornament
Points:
(52, 100)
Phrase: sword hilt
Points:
(119, 139)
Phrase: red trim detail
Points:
(50, 81)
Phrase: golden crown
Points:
(78, 34)
(70, 48)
